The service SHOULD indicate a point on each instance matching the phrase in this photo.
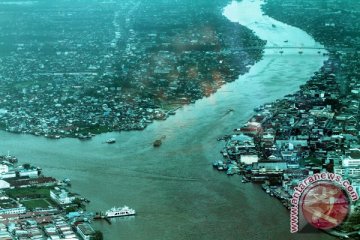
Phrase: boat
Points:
(157, 143)
(84, 137)
(233, 169)
(9, 158)
(259, 109)
(120, 212)
(111, 140)
(172, 112)
(67, 181)
(217, 163)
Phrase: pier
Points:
(102, 217)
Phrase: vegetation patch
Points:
(29, 193)
(36, 203)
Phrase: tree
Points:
(26, 165)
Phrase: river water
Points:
(174, 188)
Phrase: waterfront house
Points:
(271, 165)
(10, 174)
(251, 128)
(85, 231)
(61, 196)
(249, 159)
(241, 148)
(28, 182)
(32, 173)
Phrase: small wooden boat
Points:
(157, 143)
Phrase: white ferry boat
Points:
(120, 212)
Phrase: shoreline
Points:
(123, 92)
(160, 113)
(39, 206)
(323, 83)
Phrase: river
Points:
(174, 188)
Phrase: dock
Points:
(102, 217)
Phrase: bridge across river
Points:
(301, 49)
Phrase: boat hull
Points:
(122, 215)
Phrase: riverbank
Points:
(330, 23)
(299, 135)
(130, 75)
(40, 207)
(336, 31)
(287, 140)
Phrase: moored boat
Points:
(120, 212)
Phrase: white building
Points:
(4, 184)
(249, 159)
(10, 174)
(15, 210)
(347, 171)
(350, 164)
(61, 196)
(28, 173)
(4, 168)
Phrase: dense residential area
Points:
(64, 73)
(34, 206)
(315, 129)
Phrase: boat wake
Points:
(164, 177)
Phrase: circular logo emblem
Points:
(325, 205)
